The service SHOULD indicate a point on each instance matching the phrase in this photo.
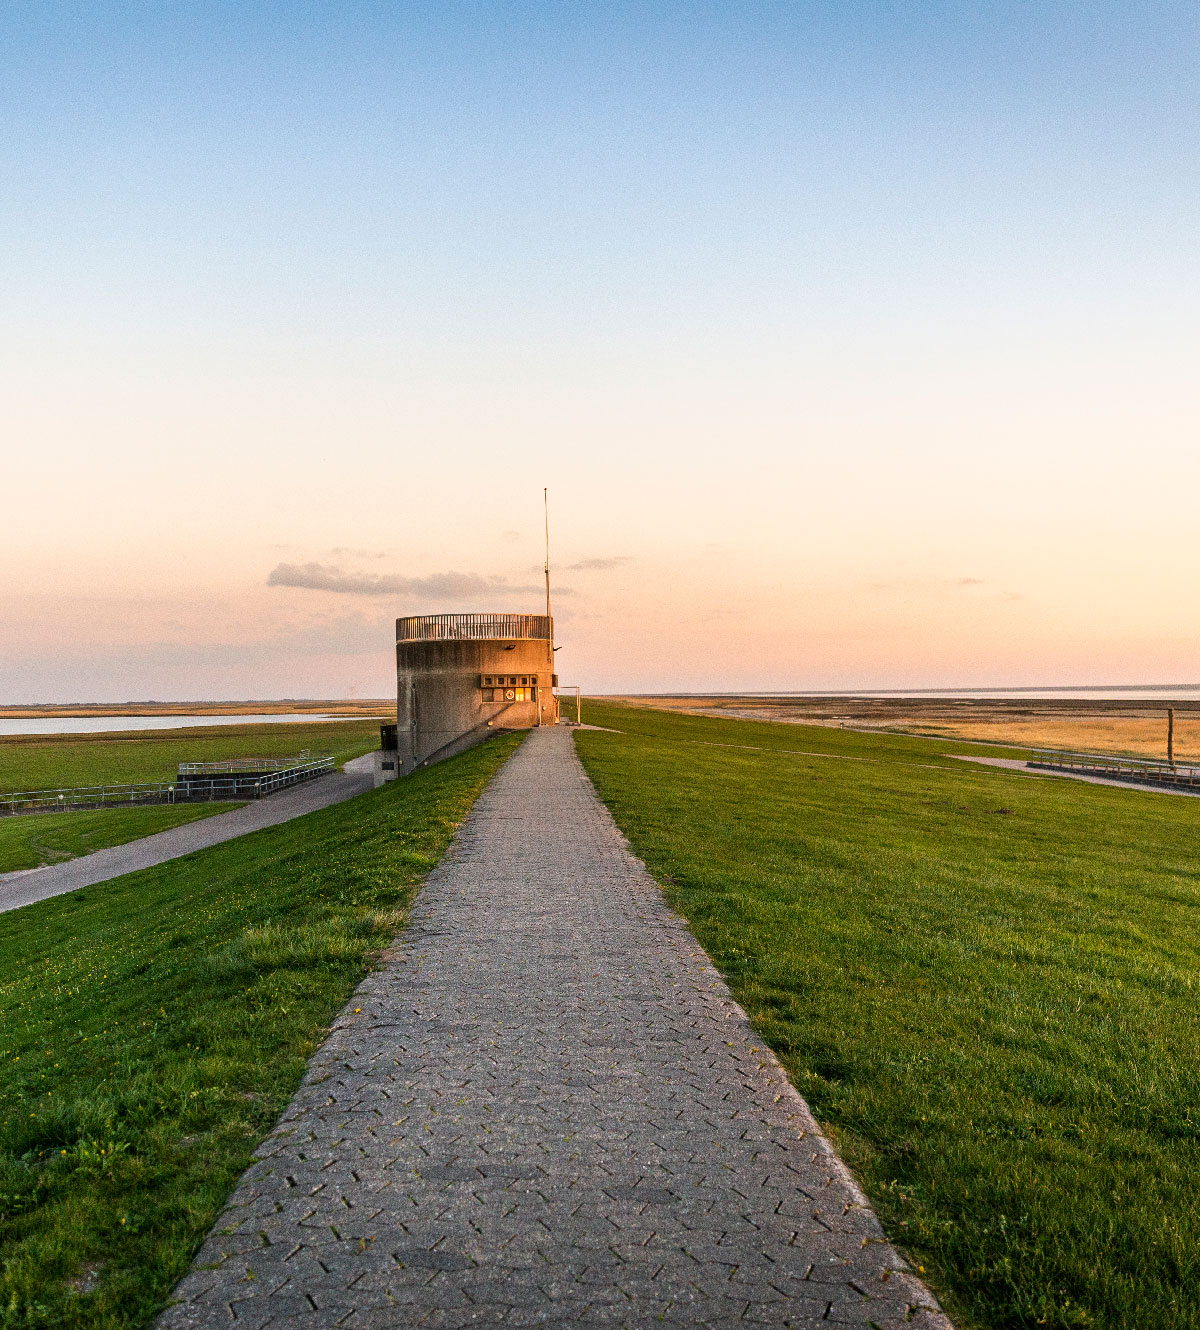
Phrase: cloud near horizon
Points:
(437, 586)
(597, 565)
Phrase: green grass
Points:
(153, 1028)
(34, 839)
(50, 761)
(985, 985)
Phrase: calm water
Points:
(1152, 692)
(111, 724)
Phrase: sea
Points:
(116, 724)
(1175, 692)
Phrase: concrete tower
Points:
(461, 677)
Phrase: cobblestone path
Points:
(546, 1109)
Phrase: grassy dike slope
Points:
(153, 1028)
(34, 839)
(984, 984)
(44, 761)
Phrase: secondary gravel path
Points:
(546, 1109)
(38, 884)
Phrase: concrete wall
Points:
(440, 693)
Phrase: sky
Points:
(856, 342)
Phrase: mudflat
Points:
(1133, 728)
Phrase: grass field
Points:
(47, 761)
(152, 1029)
(984, 983)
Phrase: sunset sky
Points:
(856, 342)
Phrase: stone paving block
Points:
(548, 1110)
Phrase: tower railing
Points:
(472, 627)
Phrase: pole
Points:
(550, 621)
(1171, 735)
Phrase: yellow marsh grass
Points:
(1130, 729)
(1129, 736)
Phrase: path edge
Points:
(924, 1301)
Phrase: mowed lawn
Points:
(153, 1028)
(985, 984)
(49, 761)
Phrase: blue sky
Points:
(764, 276)
(376, 154)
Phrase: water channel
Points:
(115, 724)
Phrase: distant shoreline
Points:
(1029, 690)
(338, 707)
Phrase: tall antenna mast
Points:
(549, 620)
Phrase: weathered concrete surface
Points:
(446, 666)
(546, 1109)
(38, 884)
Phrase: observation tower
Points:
(461, 677)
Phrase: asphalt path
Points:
(38, 884)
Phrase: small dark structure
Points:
(387, 760)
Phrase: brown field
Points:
(353, 709)
(1131, 729)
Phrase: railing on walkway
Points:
(194, 787)
(247, 784)
(471, 627)
(240, 764)
(1136, 770)
(87, 796)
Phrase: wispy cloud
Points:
(343, 552)
(437, 586)
(597, 565)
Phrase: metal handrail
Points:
(1124, 768)
(258, 784)
(1111, 759)
(235, 764)
(472, 627)
(22, 801)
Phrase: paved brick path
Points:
(546, 1110)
